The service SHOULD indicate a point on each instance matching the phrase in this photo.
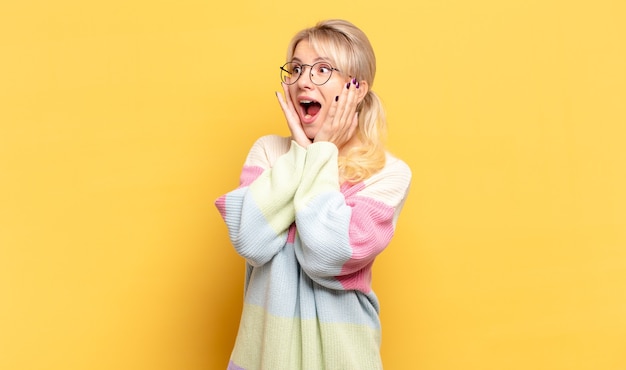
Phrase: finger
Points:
(285, 101)
(351, 113)
(350, 104)
(281, 101)
(287, 105)
(287, 95)
(337, 112)
(332, 111)
(353, 125)
(345, 99)
(289, 113)
(293, 120)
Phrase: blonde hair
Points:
(350, 50)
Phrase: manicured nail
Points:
(354, 80)
(348, 85)
(357, 85)
(337, 98)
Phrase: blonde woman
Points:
(313, 211)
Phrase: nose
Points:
(304, 81)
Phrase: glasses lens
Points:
(321, 72)
(290, 72)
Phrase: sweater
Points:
(309, 244)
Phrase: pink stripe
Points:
(291, 237)
(371, 230)
(360, 280)
(349, 190)
(233, 366)
(249, 174)
(220, 203)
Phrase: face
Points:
(311, 101)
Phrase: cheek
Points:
(336, 88)
(293, 91)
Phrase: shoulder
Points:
(273, 140)
(397, 165)
(391, 184)
(267, 149)
(395, 170)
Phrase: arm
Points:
(342, 231)
(259, 212)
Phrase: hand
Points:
(293, 120)
(342, 119)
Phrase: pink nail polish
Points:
(337, 98)
(348, 85)
(357, 85)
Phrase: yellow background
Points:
(122, 121)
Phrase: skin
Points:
(337, 120)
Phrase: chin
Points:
(310, 134)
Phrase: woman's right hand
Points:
(293, 120)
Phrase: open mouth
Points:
(310, 108)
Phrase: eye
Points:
(296, 69)
(324, 68)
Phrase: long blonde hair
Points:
(349, 48)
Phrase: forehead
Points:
(306, 53)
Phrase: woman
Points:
(314, 210)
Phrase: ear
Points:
(362, 90)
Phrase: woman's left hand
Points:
(342, 119)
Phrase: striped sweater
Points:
(309, 245)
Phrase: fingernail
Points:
(357, 85)
(354, 80)
(348, 85)
(337, 98)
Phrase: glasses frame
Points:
(282, 69)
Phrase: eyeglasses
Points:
(320, 72)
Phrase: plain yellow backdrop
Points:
(122, 121)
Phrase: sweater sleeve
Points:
(343, 229)
(259, 212)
